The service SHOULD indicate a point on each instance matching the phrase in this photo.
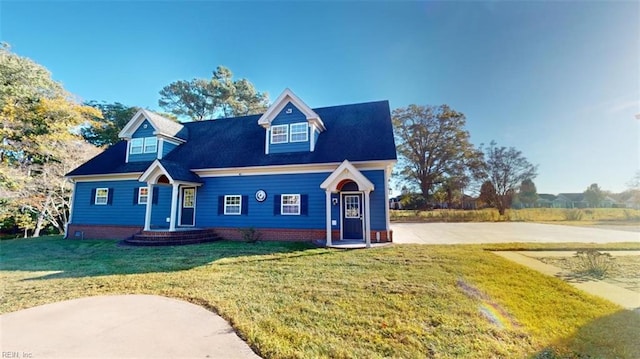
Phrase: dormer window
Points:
(299, 132)
(150, 145)
(143, 145)
(137, 144)
(280, 134)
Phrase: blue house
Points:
(292, 173)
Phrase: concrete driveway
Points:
(125, 326)
(473, 233)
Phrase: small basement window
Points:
(299, 132)
(279, 134)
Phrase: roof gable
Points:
(173, 171)
(287, 96)
(346, 171)
(161, 126)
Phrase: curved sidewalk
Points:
(123, 326)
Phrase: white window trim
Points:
(141, 140)
(239, 205)
(106, 197)
(286, 134)
(184, 198)
(140, 196)
(155, 144)
(282, 204)
(306, 131)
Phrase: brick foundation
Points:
(268, 234)
(296, 235)
(82, 231)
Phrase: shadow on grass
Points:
(612, 336)
(63, 258)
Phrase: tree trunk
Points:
(39, 224)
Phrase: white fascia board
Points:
(347, 171)
(284, 169)
(173, 140)
(155, 169)
(186, 183)
(285, 97)
(105, 177)
(133, 124)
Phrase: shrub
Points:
(573, 214)
(594, 263)
(250, 235)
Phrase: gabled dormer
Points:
(150, 136)
(291, 125)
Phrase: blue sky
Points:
(560, 81)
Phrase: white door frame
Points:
(362, 210)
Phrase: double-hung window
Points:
(299, 132)
(137, 145)
(143, 195)
(233, 204)
(290, 204)
(102, 196)
(280, 134)
(150, 144)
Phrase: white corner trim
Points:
(312, 137)
(267, 140)
(160, 148)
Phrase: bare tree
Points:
(505, 168)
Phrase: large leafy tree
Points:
(434, 148)
(39, 125)
(220, 96)
(103, 130)
(594, 195)
(505, 168)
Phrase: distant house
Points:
(469, 202)
(545, 200)
(292, 173)
(570, 200)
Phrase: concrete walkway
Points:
(474, 233)
(125, 326)
(624, 297)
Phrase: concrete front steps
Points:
(167, 238)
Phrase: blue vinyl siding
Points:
(335, 211)
(261, 214)
(284, 118)
(162, 209)
(167, 147)
(142, 132)
(122, 210)
(378, 203)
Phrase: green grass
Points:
(290, 300)
(618, 216)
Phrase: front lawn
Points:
(290, 300)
